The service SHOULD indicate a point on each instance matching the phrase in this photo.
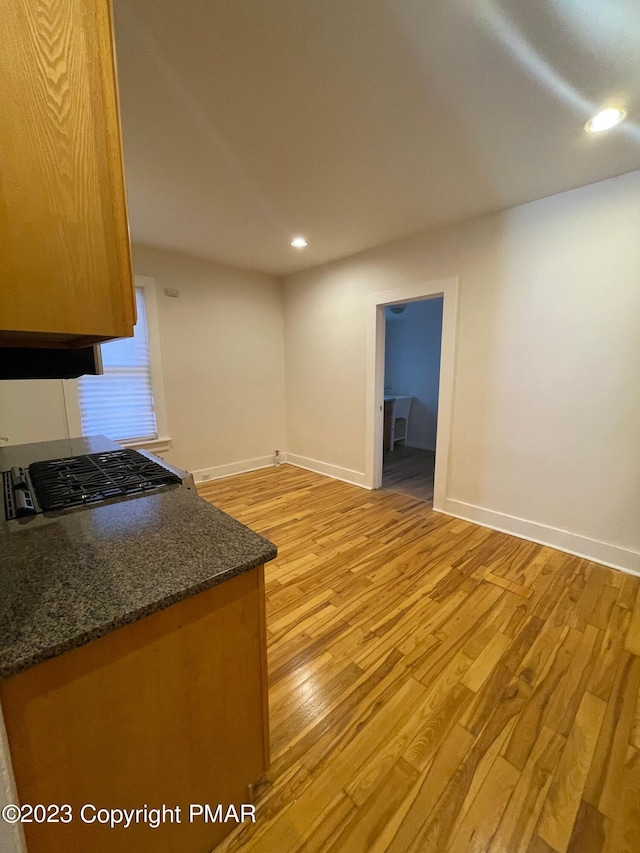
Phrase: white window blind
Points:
(120, 404)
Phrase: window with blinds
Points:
(120, 404)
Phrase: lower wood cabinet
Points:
(169, 711)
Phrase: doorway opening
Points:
(447, 291)
(413, 338)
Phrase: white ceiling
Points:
(358, 122)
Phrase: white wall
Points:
(223, 361)
(222, 346)
(32, 410)
(412, 365)
(546, 418)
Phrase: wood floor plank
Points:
(402, 834)
(331, 822)
(456, 630)
(604, 785)
(590, 598)
(601, 612)
(603, 673)
(537, 845)
(375, 812)
(632, 643)
(482, 769)
(434, 685)
(567, 696)
(291, 683)
(502, 685)
(565, 794)
(419, 735)
(622, 831)
(425, 739)
(484, 664)
(512, 586)
(304, 713)
(590, 830)
(535, 711)
(479, 824)
(521, 815)
(634, 734)
(353, 712)
(628, 591)
(458, 793)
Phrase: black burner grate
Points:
(78, 480)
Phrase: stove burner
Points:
(78, 480)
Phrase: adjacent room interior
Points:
(413, 336)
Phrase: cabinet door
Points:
(65, 266)
(171, 709)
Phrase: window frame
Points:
(70, 386)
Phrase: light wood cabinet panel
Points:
(169, 710)
(65, 265)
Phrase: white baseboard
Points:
(242, 467)
(572, 543)
(356, 478)
(563, 540)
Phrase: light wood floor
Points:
(409, 470)
(436, 686)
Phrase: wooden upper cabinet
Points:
(65, 262)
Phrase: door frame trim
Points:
(377, 302)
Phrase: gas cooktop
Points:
(79, 480)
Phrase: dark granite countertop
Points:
(68, 578)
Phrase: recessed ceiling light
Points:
(299, 243)
(605, 119)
